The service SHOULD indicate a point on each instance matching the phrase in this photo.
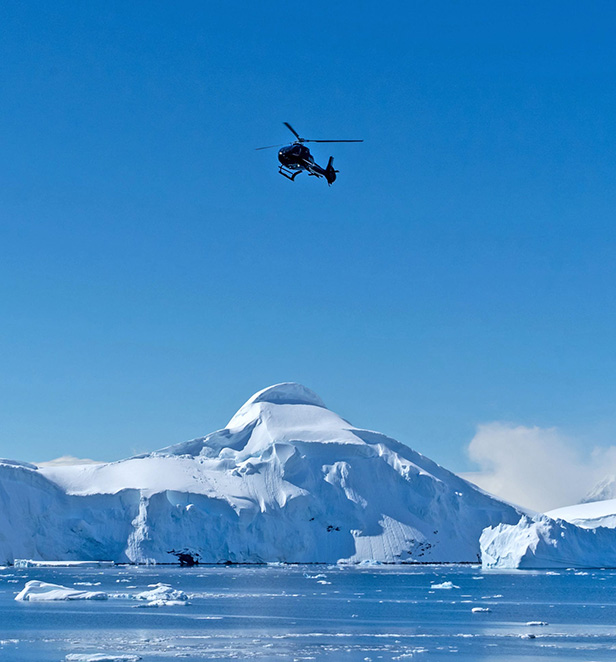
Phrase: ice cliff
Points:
(544, 542)
(287, 480)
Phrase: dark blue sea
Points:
(346, 614)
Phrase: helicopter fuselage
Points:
(295, 157)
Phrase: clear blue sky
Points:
(155, 270)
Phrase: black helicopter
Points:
(297, 157)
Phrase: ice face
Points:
(287, 480)
(544, 542)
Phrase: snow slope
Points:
(287, 480)
(588, 515)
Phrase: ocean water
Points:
(316, 613)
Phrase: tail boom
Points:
(330, 173)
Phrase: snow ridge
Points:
(287, 393)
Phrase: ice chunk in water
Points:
(100, 657)
(444, 585)
(36, 591)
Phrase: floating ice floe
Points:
(30, 563)
(157, 595)
(162, 595)
(444, 585)
(37, 591)
(479, 610)
(100, 657)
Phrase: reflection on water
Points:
(315, 612)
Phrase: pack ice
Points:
(287, 480)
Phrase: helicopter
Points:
(296, 157)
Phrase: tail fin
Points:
(330, 173)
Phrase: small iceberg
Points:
(162, 595)
(542, 542)
(36, 591)
(100, 657)
(444, 585)
(30, 563)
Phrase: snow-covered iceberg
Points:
(544, 542)
(287, 480)
(160, 595)
(36, 591)
(31, 563)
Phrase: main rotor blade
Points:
(268, 147)
(293, 131)
(333, 141)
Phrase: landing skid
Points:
(289, 174)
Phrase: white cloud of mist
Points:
(66, 460)
(539, 468)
